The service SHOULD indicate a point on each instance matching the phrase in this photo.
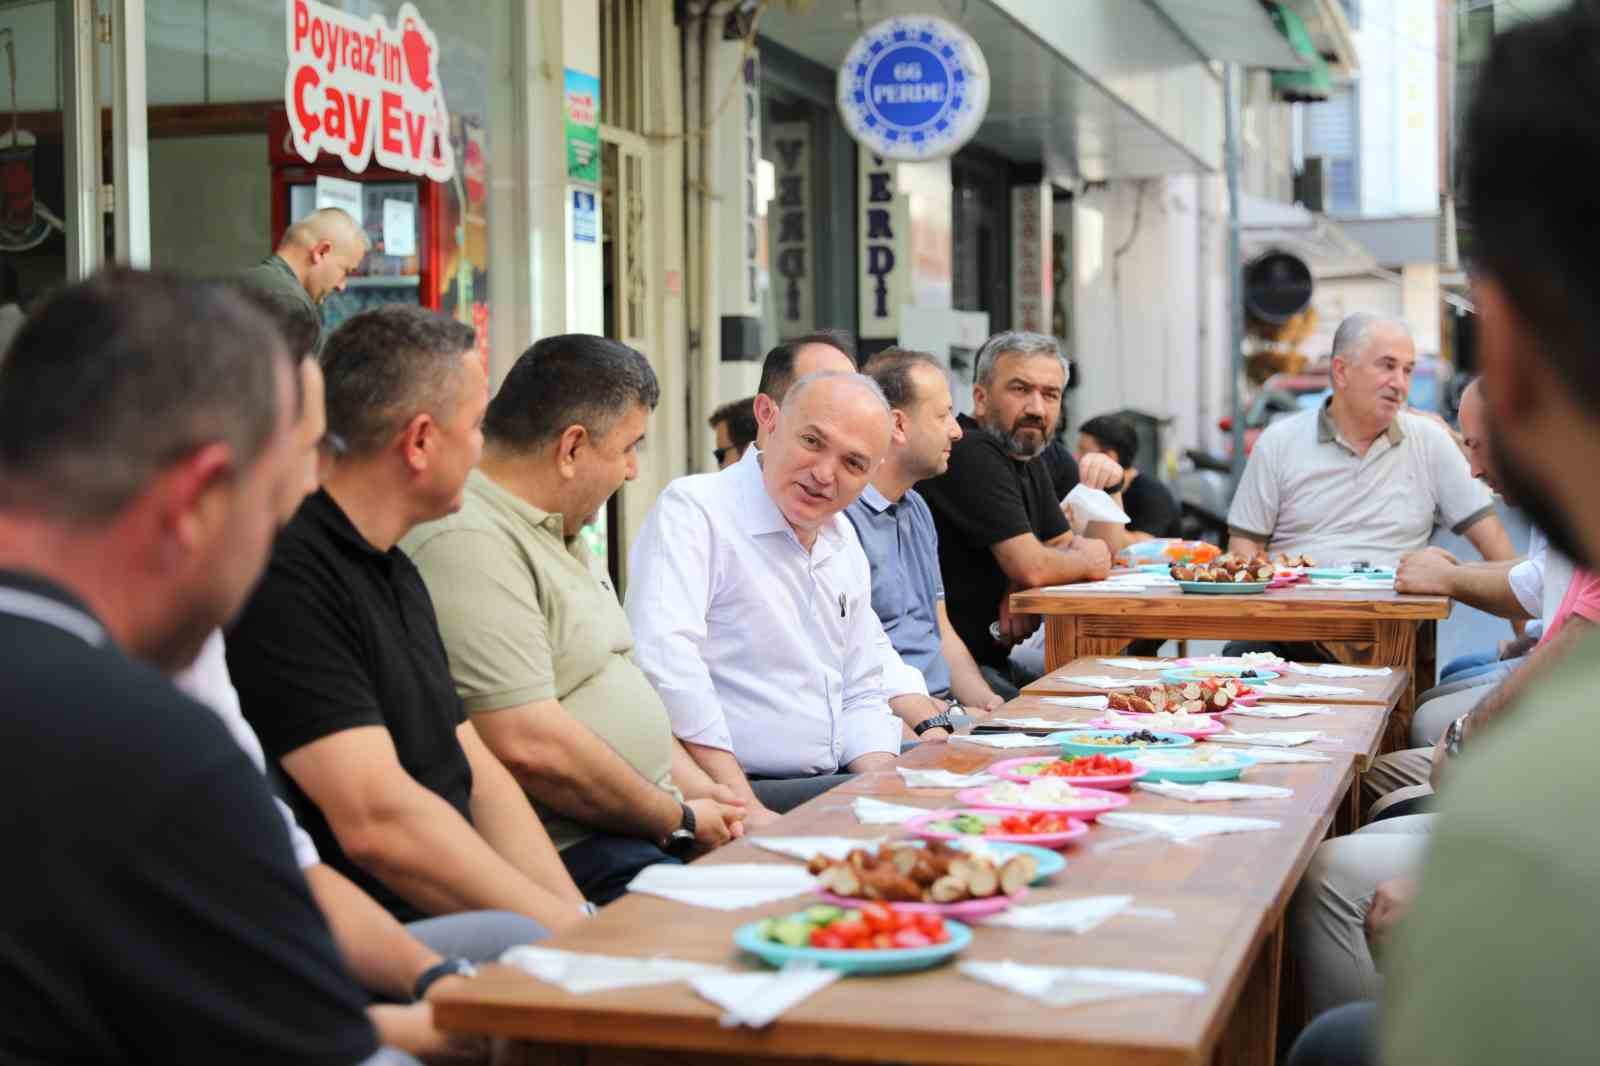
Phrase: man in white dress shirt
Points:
(751, 604)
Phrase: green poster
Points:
(583, 126)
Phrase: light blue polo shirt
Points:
(903, 548)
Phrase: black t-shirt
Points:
(1151, 508)
(339, 636)
(151, 910)
(1062, 466)
(984, 498)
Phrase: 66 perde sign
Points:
(913, 87)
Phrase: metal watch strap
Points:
(938, 721)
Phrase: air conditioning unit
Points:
(1311, 184)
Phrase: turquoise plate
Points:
(866, 960)
(1071, 747)
(1050, 862)
(1342, 571)
(1218, 673)
(1198, 775)
(1224, 588)
(1155, 568)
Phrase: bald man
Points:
(315, 259)
(751, 603)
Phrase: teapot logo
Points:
(419, 56)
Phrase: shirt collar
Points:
(876, 501)
(324, 512)
(551, 522)
(1327, 432)
(757, 511)
(43, 600)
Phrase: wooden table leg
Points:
(1060, 640)
(1397, 646)
(1251, 1036)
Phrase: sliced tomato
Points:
(882, 940)
(850, 932)
(942, 936)
(826, 938)
(879, 919)
(911, 938)
(929, 923)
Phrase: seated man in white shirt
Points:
(751, 605)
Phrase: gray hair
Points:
(858, 380)
(1350, 339)
(1016, 341)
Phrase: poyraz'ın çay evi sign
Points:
(913, 87)
(361, 89)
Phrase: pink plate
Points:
(1103, 801)
(967, 908)
(1010, 770)
(918, 825)
(1213, 726)
(1136, 714)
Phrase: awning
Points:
(1310, 83)
(1233, 31)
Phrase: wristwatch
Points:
(444, 968)
(1453, 736)
(681, 839)
(938, 721)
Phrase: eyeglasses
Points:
(331, 446)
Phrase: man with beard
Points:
(1360, 479)
(999, 522)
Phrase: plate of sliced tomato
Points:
(1045, 828)
(1093, 771)
(870, 938)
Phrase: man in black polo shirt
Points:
(1000, 524)
(338, 661)
(153, 910)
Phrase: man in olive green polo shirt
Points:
(315, 259)
(539, 646)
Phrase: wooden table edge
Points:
(1043, 601)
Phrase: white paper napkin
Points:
(871, 811)
(1285, 739)
(1185, 827)
(757, 999)
(943, 778)
(1278, 710)
(579, 973)
(1138, 664)
(1097, 680)
(1088, 703)
(1069, 986)
(725, 886)
(1062, 916)
(1282, 755)
(805, 847)
(1340, 670)
(1272, 688)
(1092, 505)
(1213, 790)
(1001, 740)
(1034, 723)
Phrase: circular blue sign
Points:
(913, 87)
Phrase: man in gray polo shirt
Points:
(898, 535)
(1361, 479)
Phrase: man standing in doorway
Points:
(314, 260)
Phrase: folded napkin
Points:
(1340, 670)
(579, 973)
(1035, 723)
(725, 886)
(1138, 664)
(1062, 916)
(1185, 827)
(1001, 740)
(1278, 710)
(1096, 680)
(756, 999)
(1354, 581)
(1263, 660)
(1069, 986)
(1272, 688)
(1092, 505)
(1213, 790)
(871, 811)
(1117, 583)
(1088, 703)
(1280, 755)
(805, 847)
(1285, 739)
(944, 778)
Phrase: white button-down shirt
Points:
(757, 646)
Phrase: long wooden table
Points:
(1227, 893)
(1401, 628)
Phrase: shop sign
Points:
(913, 87)
(361, 89)
(1031, 272)
(583, 126)
(789, 228)
(883, 229)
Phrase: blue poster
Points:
(585, 218)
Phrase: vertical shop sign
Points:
(789, 229)
(751, 168)
(1031, 273)
(585, 219)
(361, 89)
(882, 231)
(583, 126)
